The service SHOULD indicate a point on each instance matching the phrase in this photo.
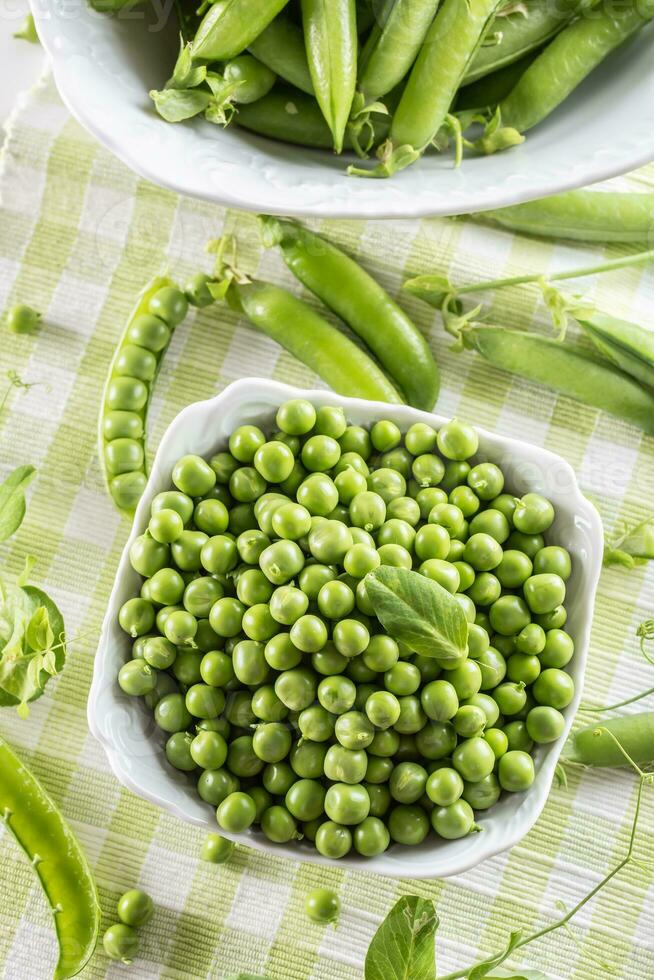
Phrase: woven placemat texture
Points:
(79, 236)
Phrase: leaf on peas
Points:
(420, 613)
(175, 105)
(32, 644)
(431, 289)
(12, 500)
(185, 73)
(403, 948)
(486, 968)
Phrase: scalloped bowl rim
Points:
(187, 158)
(441, 859)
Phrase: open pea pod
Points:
(126, 397)
(330, 36)
(39, 828)
(229, 26)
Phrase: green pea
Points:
(211, 516)
(516, 771)
(171, 713)
(135, 908)
(408, 825)
(122, 425)
(178, 751)
(150, 332)
(126, 394)
(281, 653)
(330, 421)
(296, 417)
(216, 849)
(137, 678)
(22, 319)
(322, 905)
(135, 362)
(215, 785)
(169, 304)
(120, 942)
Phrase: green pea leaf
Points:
(39, 633)
(185, 73)
(12, 500)
(420, 613)
(403, 948)
(485, 968)
(175, 105)
(432, 289)
(32, 644)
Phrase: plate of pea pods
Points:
(362, 109)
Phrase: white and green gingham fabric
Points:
(79, 236)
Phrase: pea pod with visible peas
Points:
(568, 60)
(584, 216)
(566, 370)
(363, 304)
(230, 26)
(123, 411)
(40, 829)
(330, 35)
(308, 336)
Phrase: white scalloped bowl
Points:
(104, 68)
(125, 726)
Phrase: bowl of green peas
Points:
(249, 677)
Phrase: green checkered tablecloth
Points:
(79, 236)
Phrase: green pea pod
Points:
(450, 44)
(629, 346)
(584, 216)
(291, 116)
(330, 36)
(125, 401)
(230, 26)
(281, 48)
(363, 304)
(569, 59)
(566, 370)
(520, 33)
(596, 744)
(53, 851)
(310, 338)
(393, 45)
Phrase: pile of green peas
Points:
(257, 646)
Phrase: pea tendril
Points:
(563, 921)
(645, 631)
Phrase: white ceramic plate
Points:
(125, 726)
(104, 68)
